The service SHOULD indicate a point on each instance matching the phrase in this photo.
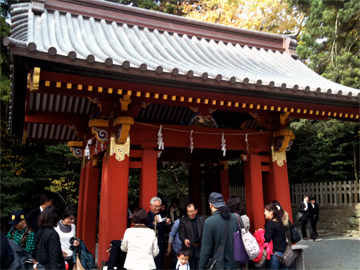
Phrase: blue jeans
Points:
(274, 263)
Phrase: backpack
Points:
(22, 258)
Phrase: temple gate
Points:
(133, 87)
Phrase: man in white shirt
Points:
(32, 218)
(306, 208)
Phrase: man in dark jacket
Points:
(32, 218)
(160, 225)
(190, 234)
(213, 233)
(315, 214)
(306, 208)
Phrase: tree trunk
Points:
(355, 163)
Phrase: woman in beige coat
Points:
(140, 243)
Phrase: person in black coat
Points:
(160, 227)
(315, 214)
(190, 233)
(33, 216)
(306, 209)
(47, 242)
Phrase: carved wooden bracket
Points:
(288, 136)
(122, 126)
(77, 148)
(125, 101)
(101, 130)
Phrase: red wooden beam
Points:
(80, 121)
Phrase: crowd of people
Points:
(191, 240)
(45, 234)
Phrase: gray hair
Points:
(154, 199)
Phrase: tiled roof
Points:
(90, 38)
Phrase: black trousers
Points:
(314, 226)
(307, 219)
(160, 257)
(195, 258)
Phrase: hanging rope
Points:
(196, 132)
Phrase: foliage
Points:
(236, 173)
(173, 179)
(323, 151)
(331, 39)
(275, 16)
(29, 170)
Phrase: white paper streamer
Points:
(247, 142)
(223, 144)
(160, 140)
(191, 142)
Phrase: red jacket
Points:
(259, 235)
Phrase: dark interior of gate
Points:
(133, 87)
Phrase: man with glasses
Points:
(190, 233)
(160, 225)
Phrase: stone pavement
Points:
(332, 251)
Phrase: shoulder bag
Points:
(295, 235)
(217, 261)
(240, 254)
(249, 241)
(299, 216)
(288, 256)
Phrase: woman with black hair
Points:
(235, 206)
(275, 231)
(66, 230)
(47, 242)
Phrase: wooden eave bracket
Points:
(101, 130)
(224, 164)
(122, 132)
(77, 148)
(125, 101)
(288, 135)
(283, 118)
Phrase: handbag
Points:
(295, 235)
(217, 261)
(299, 216)
(288, 256)
(250, 244)
(240, 254)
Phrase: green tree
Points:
(323, 151)
(330, 42)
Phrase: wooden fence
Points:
(327, 193)
(345, 193)
(340, 193)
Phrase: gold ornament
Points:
(278, 156)
(13, 217)
(120, 150)
(22, 217)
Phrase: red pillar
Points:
(90, 206)
(195, 185)
(113, 203)
(224, 178)
(280, 190)
(148, 175)
(79, 224)
(254, 190)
